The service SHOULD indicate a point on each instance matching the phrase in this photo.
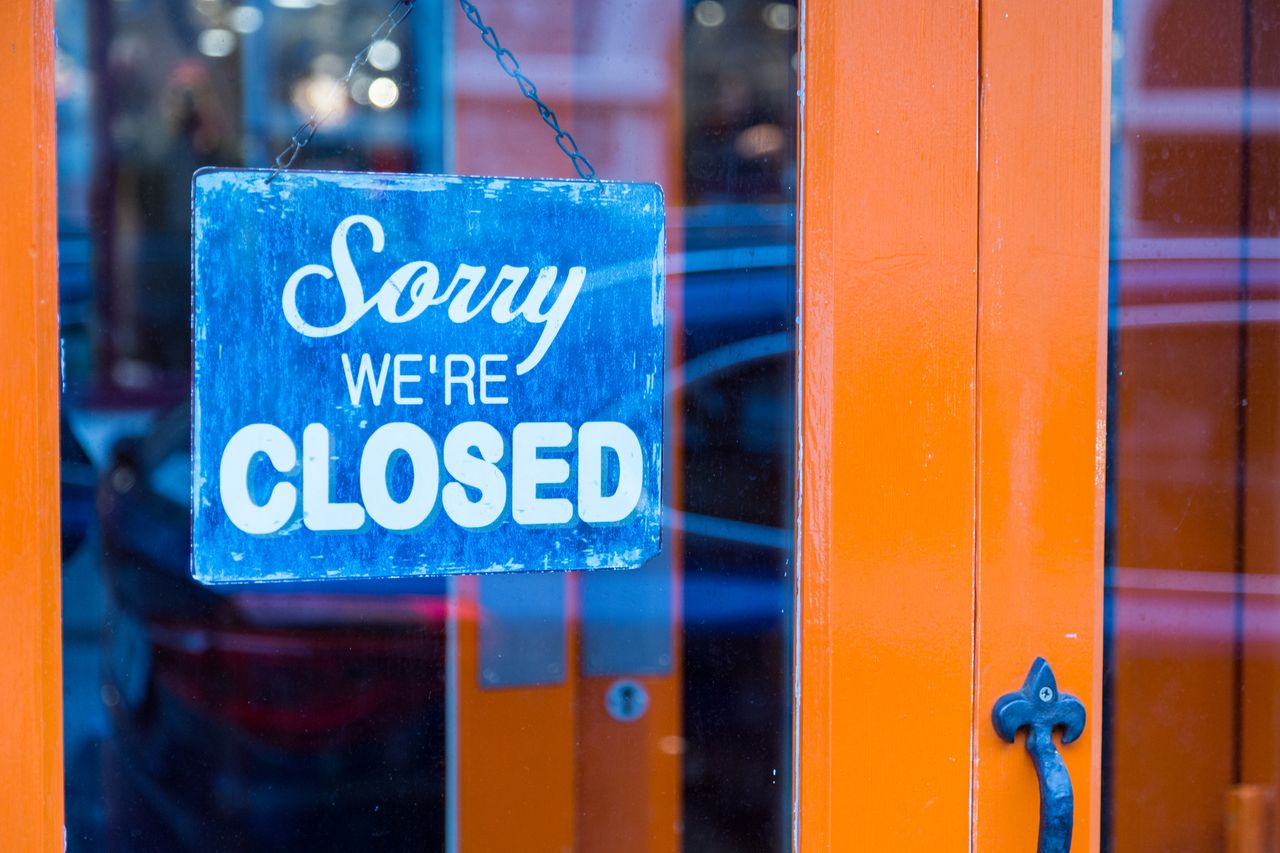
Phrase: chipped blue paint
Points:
(313, 292)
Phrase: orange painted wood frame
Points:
(1042, 282)
(888, 416)
(952, 301)
(30, 632)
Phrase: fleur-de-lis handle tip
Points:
(1040, 708)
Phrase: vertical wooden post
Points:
(888, 304)
(1042, 284)
(952, 392)
(30, 653)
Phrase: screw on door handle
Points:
(1039, 708)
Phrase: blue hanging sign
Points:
(408, 375)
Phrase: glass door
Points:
(1191, 757)
(608, 711)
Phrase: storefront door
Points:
(970, 362)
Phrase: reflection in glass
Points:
(343, 717)
(1194, 463)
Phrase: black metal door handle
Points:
(1039, 708)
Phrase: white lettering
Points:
(480, 472)
(388, 296)
(355, 384)
(477, 496)
(353, 304)
(460, 309)
(529, 471)
(386, 441)
(233, 478)
(532, 309)
(401, 378)
(594, 507)
(451, 378)
(318, 512)
(486, 378)
(421, 279)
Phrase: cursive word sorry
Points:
(420, 281)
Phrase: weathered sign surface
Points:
(407, 375)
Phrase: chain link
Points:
(509, 64)
(307, 130)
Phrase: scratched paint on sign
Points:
(410, 375)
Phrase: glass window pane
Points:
(337, 717)
(1194, 457)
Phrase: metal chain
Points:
(307, 130)
(511, 65)
(506, 60)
